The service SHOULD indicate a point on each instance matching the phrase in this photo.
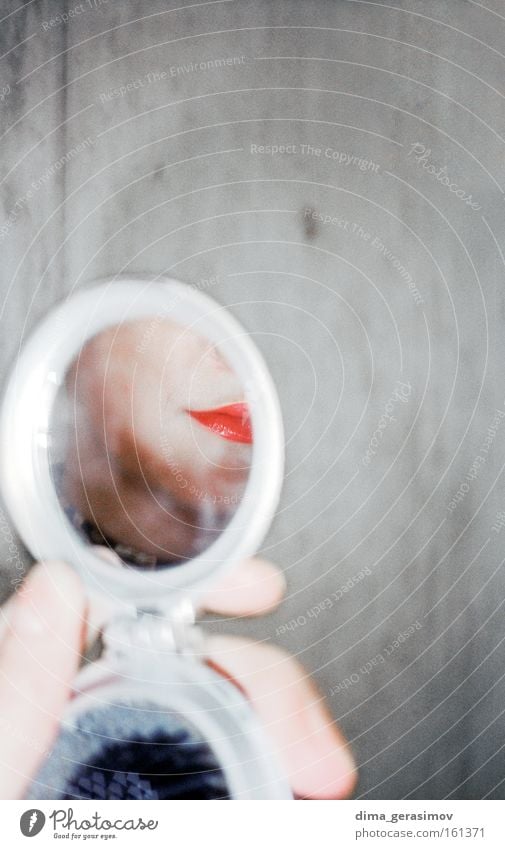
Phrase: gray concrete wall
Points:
(170, 181)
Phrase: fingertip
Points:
(255, 587)
(330, 771)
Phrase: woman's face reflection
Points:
(158, 441)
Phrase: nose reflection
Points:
(152, 442)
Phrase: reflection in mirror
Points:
(150, 442)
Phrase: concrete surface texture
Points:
(336, 171)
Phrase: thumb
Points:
(39, 656)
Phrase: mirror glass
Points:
(150, 442)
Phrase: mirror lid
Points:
(26, 482)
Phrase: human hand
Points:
(43, 626)
(313, 751)
(44, 632)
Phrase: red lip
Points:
(231, 422)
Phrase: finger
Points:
(39, 656)
(254, 587)
(317, 760)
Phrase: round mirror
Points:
(141, 439)
(150, 442)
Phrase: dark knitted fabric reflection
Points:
(157, 769)
(128, 752)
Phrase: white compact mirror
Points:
(141, 440)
